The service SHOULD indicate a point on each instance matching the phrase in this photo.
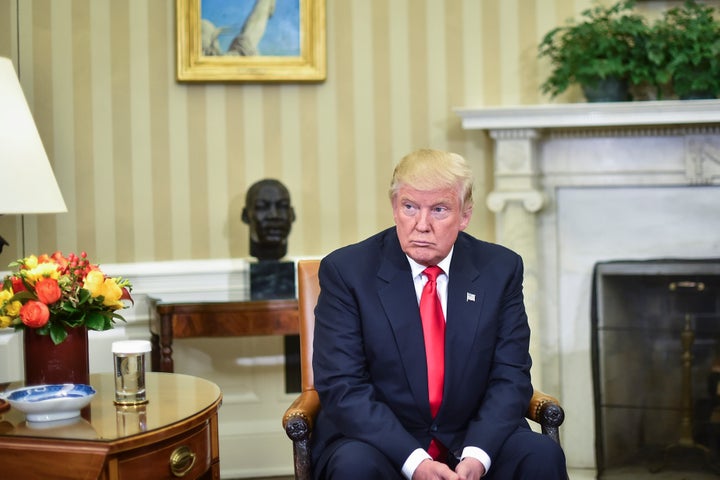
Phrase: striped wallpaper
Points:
(155, 170)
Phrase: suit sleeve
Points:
(342, 379)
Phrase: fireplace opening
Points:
(656, 365)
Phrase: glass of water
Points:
(129, 366)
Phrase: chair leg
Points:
(301, 453)
(298, 430)
(552, 432)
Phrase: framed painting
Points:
(251, 41)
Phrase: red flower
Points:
(17, 285)
(48, 290)
(126, 295)
(34, 314)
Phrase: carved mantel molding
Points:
(702, 159)
(531, 200)
(517, 132)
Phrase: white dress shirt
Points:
(419, 279)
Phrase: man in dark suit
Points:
(381, 418)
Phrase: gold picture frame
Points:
(200, 58)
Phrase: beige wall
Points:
(155, 170)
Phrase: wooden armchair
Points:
(300, 416)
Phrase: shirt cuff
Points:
(478, 454)
(416, 457)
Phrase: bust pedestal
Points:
(270, 280)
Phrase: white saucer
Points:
(47, 403)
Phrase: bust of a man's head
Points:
(269, 214)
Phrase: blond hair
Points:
(428, 169)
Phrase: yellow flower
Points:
(31, 261)
(94, 281)
(8, 308)
(97, 285)
(41, 270)
(5, 321)
(112, 293)
(13, 308)
(5, 295)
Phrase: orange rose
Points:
(34, 314)
(48, 290)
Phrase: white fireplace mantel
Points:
(592, 115)
(577, 184)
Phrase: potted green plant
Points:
(606, 47)
(684, 50)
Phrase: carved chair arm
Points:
(300, 416)
(546, 410)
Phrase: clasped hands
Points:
(467, 469)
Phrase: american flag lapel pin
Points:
(470, 297)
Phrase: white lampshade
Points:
(27, 183)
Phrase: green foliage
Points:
(684, 49)
(607, 42)
(87, 311)
(680, 52)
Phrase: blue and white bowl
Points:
(45, 403)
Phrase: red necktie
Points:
(433, 322)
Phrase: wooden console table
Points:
(186, 320)
(174, 435)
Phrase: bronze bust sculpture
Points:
(269, 214)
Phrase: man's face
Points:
(428, 222)
(270, 215)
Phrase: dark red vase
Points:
(47, 363)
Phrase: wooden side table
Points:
(186, 320)
(174, 435)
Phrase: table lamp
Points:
(28, 185)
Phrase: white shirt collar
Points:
(417, 269)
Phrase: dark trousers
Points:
(526, 455)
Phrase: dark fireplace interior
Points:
(656, 365)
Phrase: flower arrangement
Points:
(53, 293)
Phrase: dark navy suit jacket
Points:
(369, 355)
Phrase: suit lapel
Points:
(397, 295)
(465, 301)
